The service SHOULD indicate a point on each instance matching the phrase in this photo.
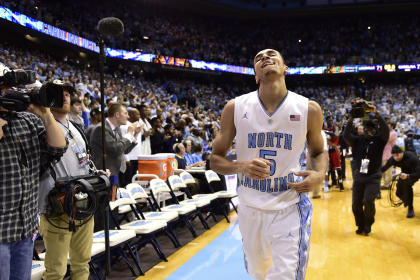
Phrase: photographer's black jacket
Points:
(370, 148)
(409, 164)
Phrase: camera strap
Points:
(82, 133)
(92, 167)
(367, 149)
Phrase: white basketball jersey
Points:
(279, 138)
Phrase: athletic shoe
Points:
(410, 213)
(359, 231)
(367, 231)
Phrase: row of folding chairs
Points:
(142, 228)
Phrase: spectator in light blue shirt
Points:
(188, 156)
(198, 153)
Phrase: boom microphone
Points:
(110, 26)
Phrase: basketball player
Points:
(334, 152)
(271, 126)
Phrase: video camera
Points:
(18, 99)
(14, 78)
(360, 108)
(77, 197)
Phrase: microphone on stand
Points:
(107, 27)
(110, 26)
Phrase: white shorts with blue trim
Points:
(276, 243)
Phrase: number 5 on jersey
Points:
(264, 153)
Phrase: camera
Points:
(360, 108)
(49, 95)
(13, 78)
(78, 197)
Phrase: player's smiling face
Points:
(267, 62)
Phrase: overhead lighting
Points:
(146, 37)
(300, 41)
(369, 27)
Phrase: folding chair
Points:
(137, 178)
(187, 178)
(171, 218)
(38, 269)
(98, 250)
(203, 204)
(214, 182)
(186, 213)
(146, 230)
(119, 240)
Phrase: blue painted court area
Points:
(221, 259)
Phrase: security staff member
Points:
(410, 173)
(366, 165)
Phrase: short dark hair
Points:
(396, 150)
(153, 120)
(94, 112)
(392, 124)
(74, 99)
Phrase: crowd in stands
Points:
(314, 41)
(183, 109)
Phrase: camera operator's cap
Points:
(65, 86)
(37, 85)
(396, 150)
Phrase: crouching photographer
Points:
(68, 202)
(367, 159)
(410, 173)
(28, 141)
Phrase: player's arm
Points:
(256, 168)
(316, 163)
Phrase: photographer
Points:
(367, 152)
(63, 235)
(410, 173)
(28, 141)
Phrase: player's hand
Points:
(257, 168)
(312, 179)
(2, 123)
(403, 176)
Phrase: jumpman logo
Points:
(245, 116)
